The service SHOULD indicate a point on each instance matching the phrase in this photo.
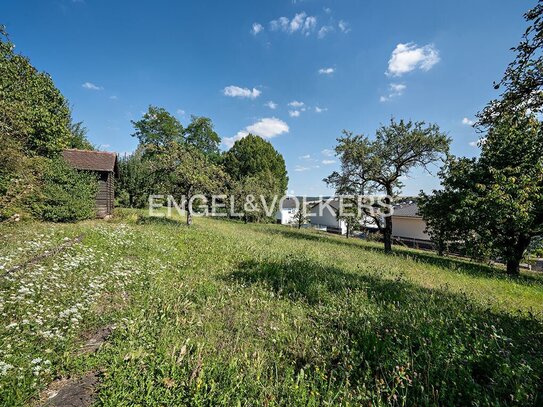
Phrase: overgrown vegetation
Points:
(234, 314)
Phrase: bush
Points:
(65, 194)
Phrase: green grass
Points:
(234, 314)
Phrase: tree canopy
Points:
(377, 166)
(251, 156)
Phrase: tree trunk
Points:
(387, 234)
(189, 218)
(516, 254)
(513, 267)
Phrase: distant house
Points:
(324, 215)
(285, 214)
(409, 227)
(102, 163)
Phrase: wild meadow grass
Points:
(224, 313)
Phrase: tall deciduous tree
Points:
(157, 129)
(495, 202)
(376, 166)
(201, 134)
(33, 112)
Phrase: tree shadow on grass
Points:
(387, 335)
(449, 263)
(159, 220)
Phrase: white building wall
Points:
(328, 218)
(412, 228)
(285, 216)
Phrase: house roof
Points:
(90, 160)
(407, 211)
(333, 203)
(289, 203)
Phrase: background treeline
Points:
(186, 161)
(35, 126)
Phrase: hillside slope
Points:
(227, 313)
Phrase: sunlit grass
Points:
(227, 313)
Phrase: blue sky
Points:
(325, 65)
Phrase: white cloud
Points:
(327, 152)
(257, 27)
(328, 162)
(324, 30)
(395, 90)
(272, 105)
(180, 112)
(113, 97)
(301, 168)
(327, 10)
(305, 157)
(344, 26)
(300, 22)
(236, 91)
(294, 113)
(268, 127)
(326, 71)
(473, 143)
(467, 122)
(296, 103)
(407, 57)
(309, 25)
(481, 141)
(91, 86)
(320, 109)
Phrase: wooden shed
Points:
(102, 163)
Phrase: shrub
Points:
(65, 194)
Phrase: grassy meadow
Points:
(224, 313)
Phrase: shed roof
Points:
(407, 211)
(90, 160)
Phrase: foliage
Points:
(256, 196)
(522, 82)
(32, 110)
(232, 314)
(158, 128)
(64, 194)
(185, 172)
(135, 181)
(201, 135)
(370, 166)
(496, 201)
(300, 218)
(251, 156)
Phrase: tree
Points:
(135, 180)
(158, 129)
(376, 166)
(79, 137)
(200, 134)
(185, 172)
(256, 196)
(499, 196)
(32, 110)
(251, 156)
(522, 82)
(300, 217)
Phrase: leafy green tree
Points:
(135, 181)
(251, 156)
(157, 129)
(200, 134)
(499, 196)
(79, 137)
(256, 196)
(522, 83)
(184, 172)
(376, 166)
(32, 110)
(300, 218)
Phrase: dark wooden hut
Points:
(102, 163)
